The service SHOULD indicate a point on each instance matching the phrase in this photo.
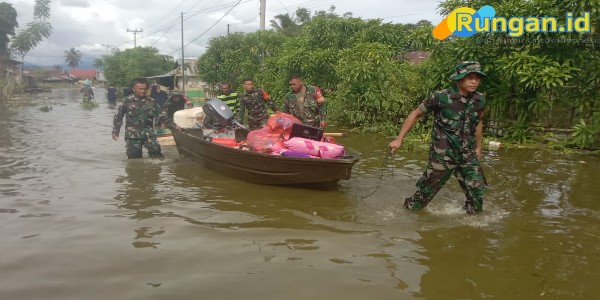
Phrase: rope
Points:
(389, 154)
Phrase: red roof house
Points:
(83, 74)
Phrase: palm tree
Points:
(72, 57)
(286, 25)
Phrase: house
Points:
(194, 87)
(60, 76)
(84, 74)
(12, 68)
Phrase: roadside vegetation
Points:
(539, 91)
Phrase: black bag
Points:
(307, 132)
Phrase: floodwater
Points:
(80, 221)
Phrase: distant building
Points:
(82, 75)
(12, 68)
(60, 76)
(194, 87)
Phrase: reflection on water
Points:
(78, 220)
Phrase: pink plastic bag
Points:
(262, 140)
(282, 123)
(314, 148)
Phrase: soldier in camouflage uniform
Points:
(305, 103)
(254, 100)
(176, 102)
(455, 141)
(87, 91)
(140, 111)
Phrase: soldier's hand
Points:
(115, 136)
(395, 144)
(323, 124)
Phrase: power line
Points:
(214, 8)
(166, 15)
(209, 28)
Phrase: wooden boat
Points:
(260, 167)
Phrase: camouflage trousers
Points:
(470, 177)
(134, 147)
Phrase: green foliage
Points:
(36, 31)
(520, 132)
(98, 63)
(237, 56)
(8, 23)
(585, 133)
(8, 88)
(89, 104)
(373, 87)
(41, 9)
(123, 66)
(73, 57)
(529, 76)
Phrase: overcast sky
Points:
(88, 25)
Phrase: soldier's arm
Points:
(406, 127)
(118, 120)
(241, 109)
(479, 136)
(269, 101)
(286, 106)
(162, 116)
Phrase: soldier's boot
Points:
(473, 206)
(416, 202)
(157, 154)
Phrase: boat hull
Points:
(262, 168)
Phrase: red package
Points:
(281, 123)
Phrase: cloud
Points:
(87, 25)
(74, 3)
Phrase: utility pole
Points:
(135, 31)
(228, 28)
(263, 9)
(182, 60)
(107, 47)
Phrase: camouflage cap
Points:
(467, 67)
(175, 92)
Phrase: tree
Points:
(535, 80)
(8, 23)
(123, 66)
(237, 56)
(286, 26)
(98, 63)
(73, 57)
(36, 31)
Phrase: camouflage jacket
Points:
(139, 117)
(175, 103)
(87, 91)
(254, 102)
(455, 120)
(310, 113)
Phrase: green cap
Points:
(467, 67)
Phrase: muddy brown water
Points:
(80, 221)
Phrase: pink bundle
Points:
(262, 140)
(282, 123)
(314, 148)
